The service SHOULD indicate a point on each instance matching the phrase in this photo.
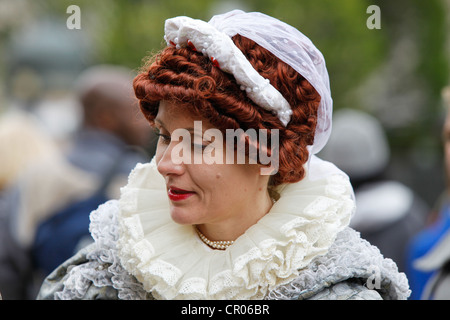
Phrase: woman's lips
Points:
(177, 194)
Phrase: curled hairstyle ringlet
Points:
(189, 79)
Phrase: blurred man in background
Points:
(429, 252)
(113, 138)
(388, 213)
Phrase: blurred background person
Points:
(429, 251)
(22, 142)
(388, 213)
(113, 137)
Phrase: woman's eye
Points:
(164, 138)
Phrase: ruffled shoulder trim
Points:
(349, 257)
(100, 274)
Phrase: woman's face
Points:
(201, 193)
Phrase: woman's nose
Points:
(167, 164)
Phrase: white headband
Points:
(213, 39)
(201, 36)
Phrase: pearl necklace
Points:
(220, 245)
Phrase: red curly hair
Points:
(190, 79)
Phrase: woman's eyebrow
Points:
(161, 123)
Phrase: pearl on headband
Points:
(202, 37)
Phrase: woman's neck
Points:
(245, 215)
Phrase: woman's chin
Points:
(183, 216)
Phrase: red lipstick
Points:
(177, 194)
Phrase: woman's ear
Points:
(273, 191)
(268, 170)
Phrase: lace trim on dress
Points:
(103, 268)
(172, 263)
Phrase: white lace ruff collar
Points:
(173, 263)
